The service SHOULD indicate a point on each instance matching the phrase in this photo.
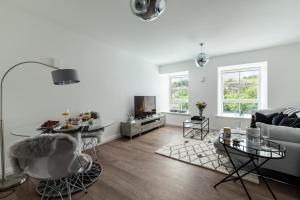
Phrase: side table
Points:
(196, 128)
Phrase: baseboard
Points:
(110, 138)
(174, 124)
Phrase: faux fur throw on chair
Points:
(36, 147)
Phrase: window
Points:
(242, 89)
(179, 93)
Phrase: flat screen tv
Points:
(144, 106)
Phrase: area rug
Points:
(201, 153)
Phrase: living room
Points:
(161, 87)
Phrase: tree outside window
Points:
(240, 89)
(179, 93)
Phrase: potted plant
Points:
(201, 105)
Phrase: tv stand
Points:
(139, 126)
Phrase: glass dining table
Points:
(34, 129)
(83, 130)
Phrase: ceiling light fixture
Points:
(202, 58)
(148, 10)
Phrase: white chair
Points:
(90, 140)
(51, 158)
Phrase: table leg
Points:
(201, 136)
(255, 167)
(235, 172)
(208, 125)
(183, 129)
(266, 183)
(226, 179)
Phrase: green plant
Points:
(201, 104)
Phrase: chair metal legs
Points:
(50, 191)
(45, 190)
(63, 187)
(68, 189)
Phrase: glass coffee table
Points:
(262, 149)
(196, 129)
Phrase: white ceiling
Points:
(226, 26)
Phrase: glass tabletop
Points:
(196, 121)
(262, 148)
(33, 129)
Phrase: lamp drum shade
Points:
(64, 76)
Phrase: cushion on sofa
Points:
(287, 122)
(290, 122)
(277, 119)
(295, 115)
(291, 111)
(266, 119)
(296, 124)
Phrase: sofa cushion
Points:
(287, 121)
(277, 119)
(290, 122)
(297, 124)
(295, 115)
(291, 111)
(266, 119)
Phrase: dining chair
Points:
(90, 140)
(52, 158)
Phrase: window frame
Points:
(182, 76)
(261, 92)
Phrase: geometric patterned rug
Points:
(201, 153)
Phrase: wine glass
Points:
(239, 127)
(265, 133)
(66, 114)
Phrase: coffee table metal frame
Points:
(198, 127)
(253, 154)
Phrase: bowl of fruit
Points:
(49, 124)
(74, 120)
(66, 128)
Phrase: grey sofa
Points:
(290, 138)
(287, 136)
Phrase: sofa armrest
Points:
(281, 133)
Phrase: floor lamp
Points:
(60, 77)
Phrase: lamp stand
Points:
(10, 181)
(60, 77)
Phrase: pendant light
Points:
(202, 58)
(148, 10)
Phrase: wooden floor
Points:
(131, 170)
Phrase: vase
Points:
(201, 113)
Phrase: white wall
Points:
(283, 78)
(109, 78)
(176, 119)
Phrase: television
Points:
(144, 106)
